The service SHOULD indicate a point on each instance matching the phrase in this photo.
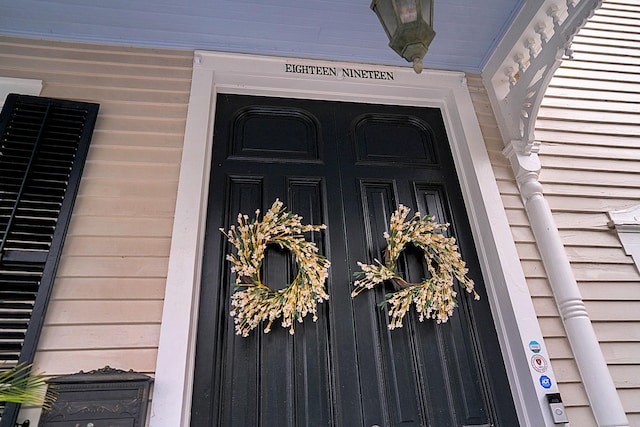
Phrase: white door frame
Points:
(300, 78)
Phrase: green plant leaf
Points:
(19, 385)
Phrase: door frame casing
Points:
(504, 278)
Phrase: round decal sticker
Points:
(534, 346)
(545, 381)
(539, 363)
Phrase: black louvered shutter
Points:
(44, 144)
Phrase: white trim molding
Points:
(626, 222)
(513, 311)
(22, 86)
(518, 73)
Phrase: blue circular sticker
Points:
(535, 346)
(545, 381)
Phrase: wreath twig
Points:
(253, 301)
(434, 297)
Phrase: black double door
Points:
(346, 165)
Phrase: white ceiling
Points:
(347, 30)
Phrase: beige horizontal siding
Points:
(109, 288)
(63, 337)
(589, 129)
(60, 362)
(107, 301)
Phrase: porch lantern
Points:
(409, 26)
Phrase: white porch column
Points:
(603, 396)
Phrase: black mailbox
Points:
(105, 397)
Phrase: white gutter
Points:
(603, 396)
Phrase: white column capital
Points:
(526, 168)
(521, 161)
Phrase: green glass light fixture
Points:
(409, 26)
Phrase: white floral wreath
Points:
(433, 297)
(256, 302)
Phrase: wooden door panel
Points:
(348, 166)
(294, 134)
(311, 373)
(287, 379)
(412, 140)
(422, 371)
(240, 377)
(456, 348)
(397, 375)
(378, 382)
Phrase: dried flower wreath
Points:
(254, 302)
(433, 297)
